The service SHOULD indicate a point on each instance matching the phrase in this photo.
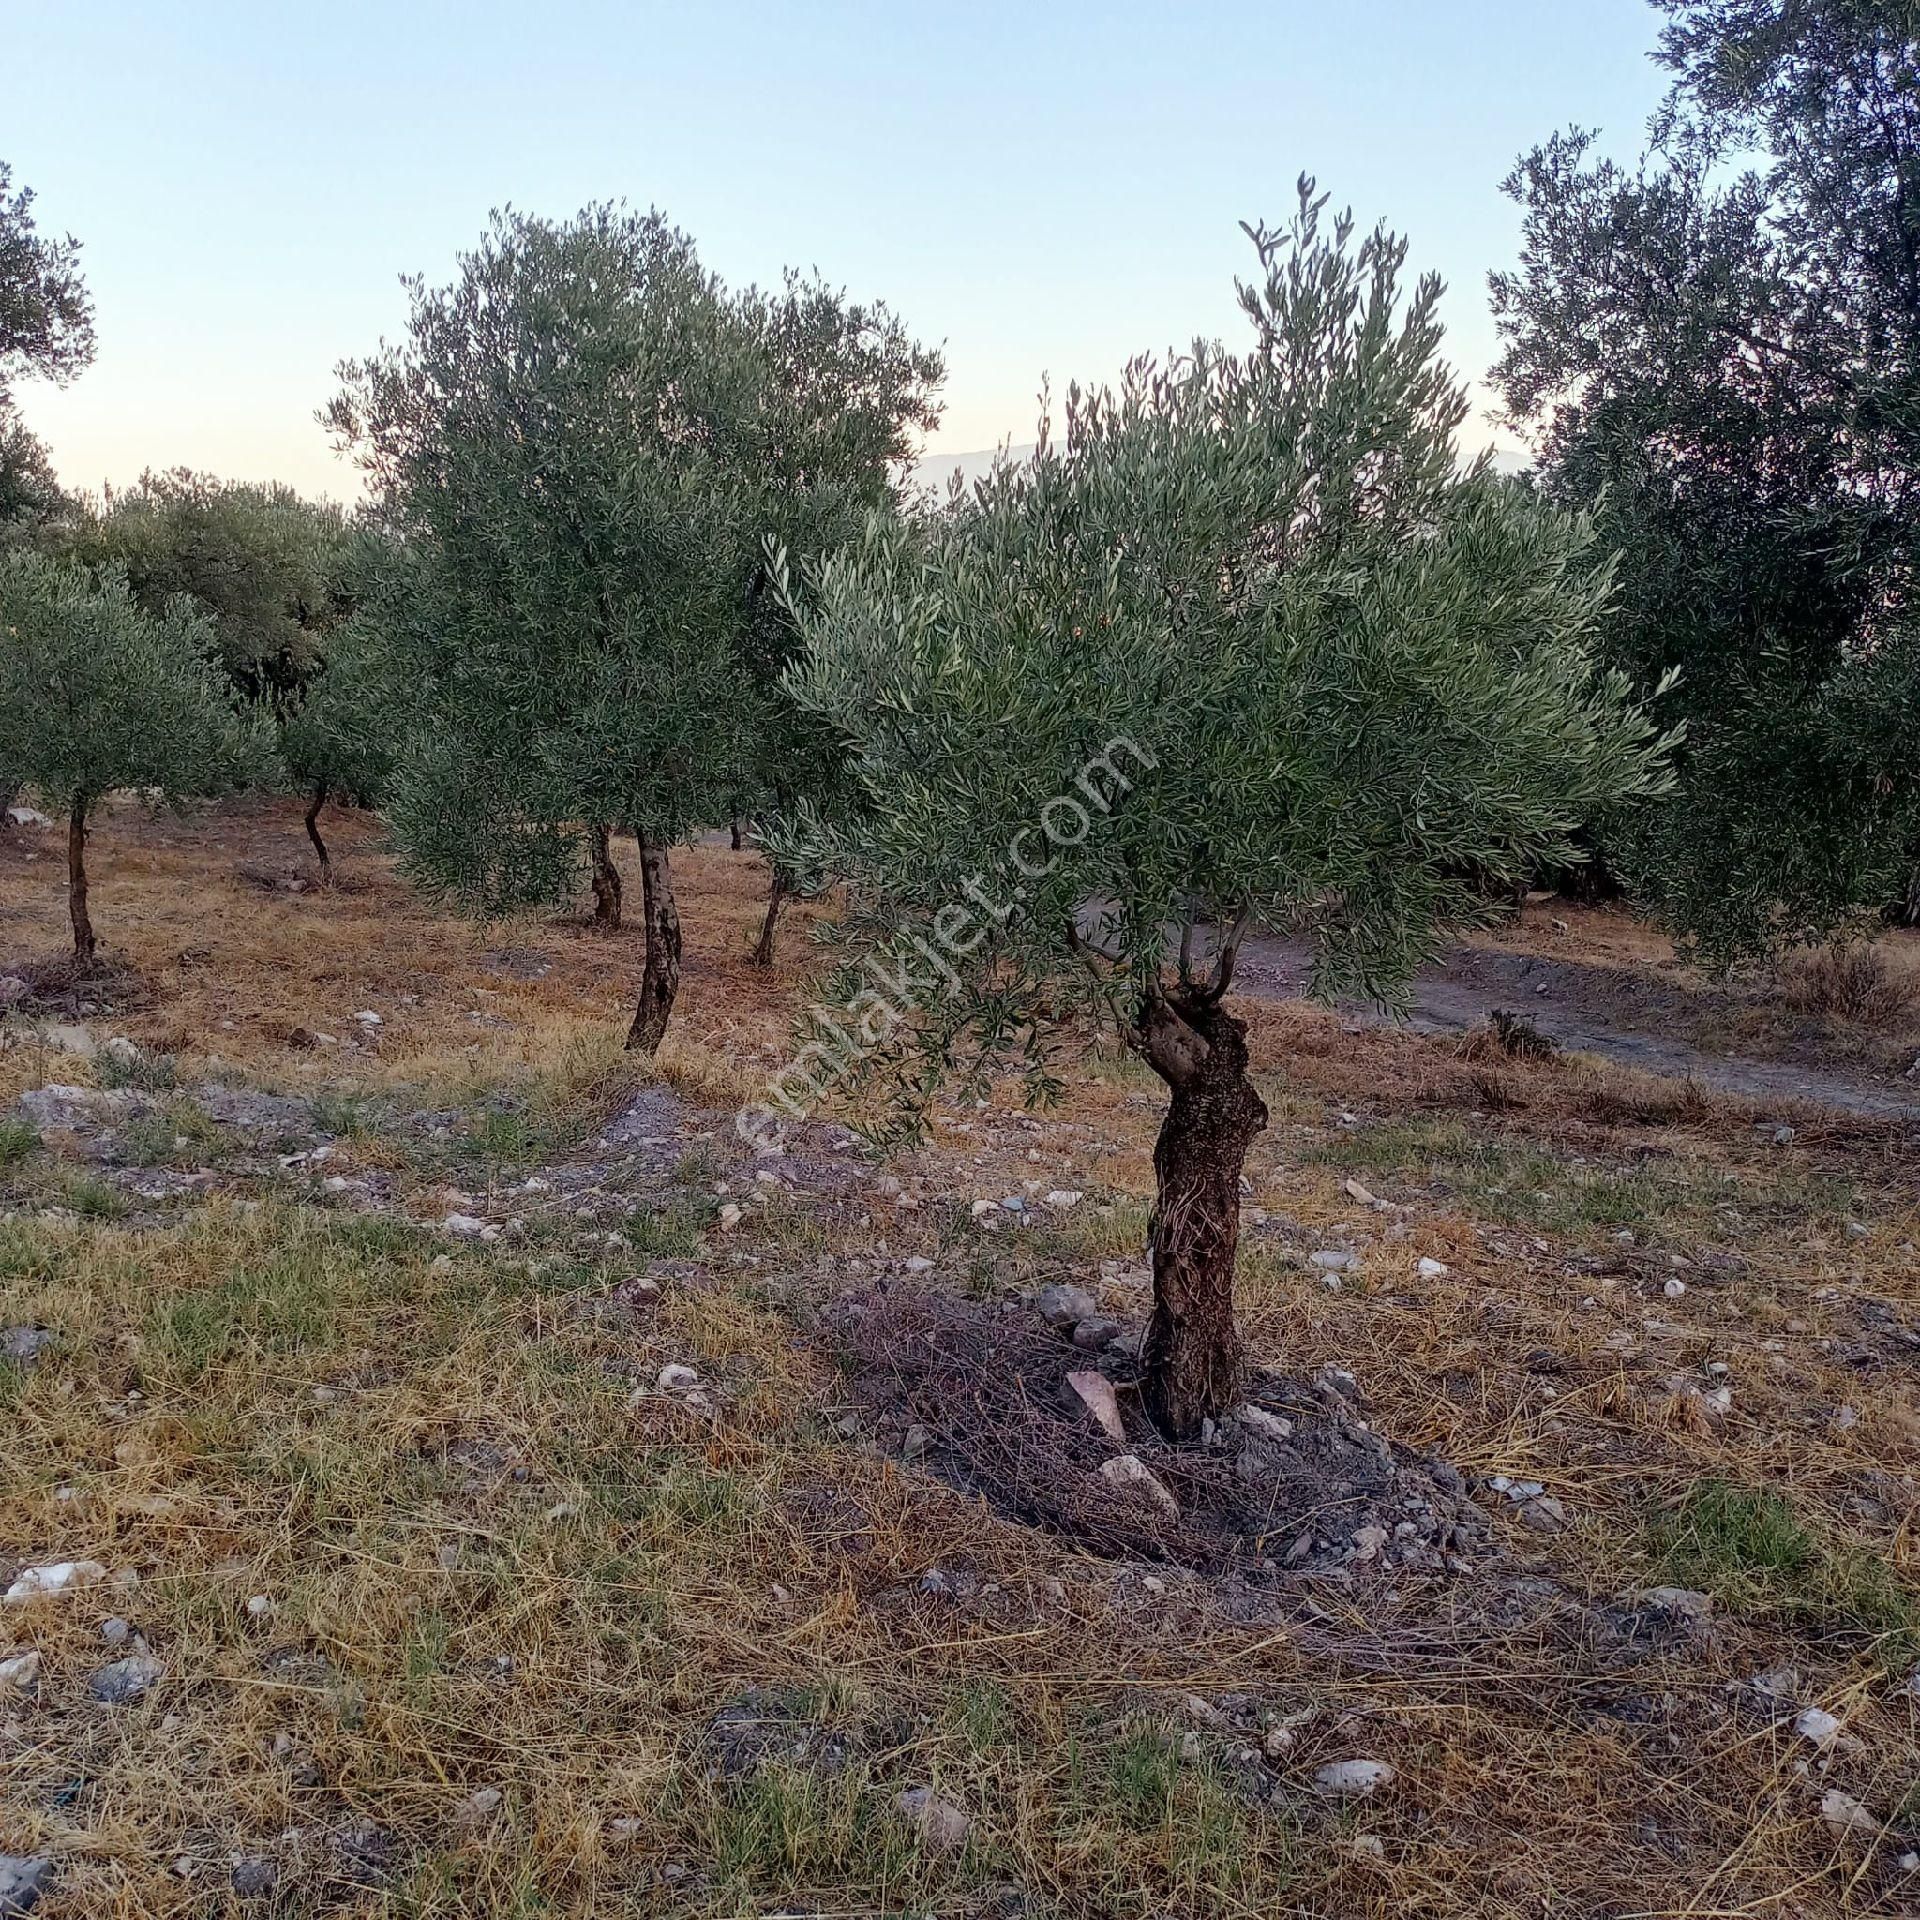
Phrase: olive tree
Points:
(555, 443)
(1249, 648)
(339, 738)
(96, 694)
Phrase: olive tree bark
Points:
(83, 940)
(314, 804)
(606, 882)
(763, 948)
(733, 829)
(660, 970)
(1191, 1357)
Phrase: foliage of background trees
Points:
(1720, 351)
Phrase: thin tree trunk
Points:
(763, 949)
(314, 805)
(1191, 1356)
(660, 972)
(733, 827)
(83, 940)
(606, 882)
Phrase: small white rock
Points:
(1353, 1779)
(676, 1378)
(1817, 1725)
(1844, 1814)
(1130, 1474)
(57, 1576)
(1430, 1269)
(941, 1824)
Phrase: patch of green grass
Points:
(502, 1136)
(1521, 1185)
(786, 1826)
(346, 1116)
(91, 1198)
(148, 1072)
(1152, 1817)
(18, 1139)
(1752, 1552)
(283, 1306)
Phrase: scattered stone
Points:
(20, 1672)
(1355, 1191)
(1544, 1514)
(124, 1681)
(676, 1378)
(260, 1606)
(730, 1217)
(1682, 1602)
(116, 1632)
(1674, 1289)
(469, 1226)
(1130, 1474)
(941, 1824)
(1817, 1725)
(1353, 1779)
(1367, 1542)
(23, 1879)
(1430, 1269)
(1844, 1814)
(1095, 1392)
(58, 1576)
(12, 990)
(1263, 1424)
(254, 1877)
(1096, 1335)
(1332, 1260)
(1064, 1307)
(368, 1018)
(478, 1807)
(915, 1442)
(78, 1041)
(1064, 1197)
(919, 1263)
(24, 1345)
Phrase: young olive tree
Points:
(96, 694)
(339, 739)
(1249, 649)
(555, 443)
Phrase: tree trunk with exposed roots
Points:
(1191, 1358)
(83, 940)
(763, 948)
(314, 804)
(607, 892)
(660, 971)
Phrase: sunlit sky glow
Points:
(1045, 188)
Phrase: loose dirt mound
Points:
(1295, 1483)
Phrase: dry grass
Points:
(1856, 982)
(695, 1659)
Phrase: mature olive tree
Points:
(556, 443)
(96, 694)
(1248, 649)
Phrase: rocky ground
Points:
(445, 1474)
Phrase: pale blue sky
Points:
(1045, 188)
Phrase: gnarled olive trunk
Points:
(606, 882)
(733, 832)
(83, 940)
(1191, 1357)
(660, 971)
(763, 948)
(314, 804)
